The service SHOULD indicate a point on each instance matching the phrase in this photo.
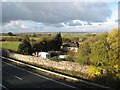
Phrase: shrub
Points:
(54, 58)
(70, 57)
(94, 71)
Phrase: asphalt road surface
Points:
(14, 77)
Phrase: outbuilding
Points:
(42, 54)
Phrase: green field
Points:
(12, 45)
(12, 42)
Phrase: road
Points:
(14, 77)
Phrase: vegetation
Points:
(10, 34)
(11, 38)
(83, 56)
(103, 53)
(47, 44)
(57, 41)
(54, 58)
(25, 46)
(70, 56)
(10, 45)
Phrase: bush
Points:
(94, 71)
(54, 58)
(108, 79)
(70, 57)
(109, 76)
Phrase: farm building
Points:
(42, 54)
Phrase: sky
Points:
(22, 17)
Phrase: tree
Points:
(34, 35)
(10, 34)
(45, 44)
(57, 41)
(114, 41)
(99, 53)
(25, 46)
(83, 55)
(48, 44)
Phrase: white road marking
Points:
(4, 87)
(40, 76)
(18, 77)
(13, 75)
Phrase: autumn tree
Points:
(103, 52)
(83, 55)
(113, 39)
(99, 53)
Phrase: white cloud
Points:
(22, 26)
(64, 17)
(32, 26)
(96, 26)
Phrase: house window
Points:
(47, 56)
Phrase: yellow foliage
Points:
(113, 35)
(94, 71)
(116, 67)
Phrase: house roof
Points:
(70, 45)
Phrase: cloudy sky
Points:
(22, 17)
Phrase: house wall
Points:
(74, 49)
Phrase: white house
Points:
(42, 54)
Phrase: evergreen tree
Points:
(25, 46)
(57, 41)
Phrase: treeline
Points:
(101, 50)
(102, 53)
(48, 44)
(43, 44)
(11, 38)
